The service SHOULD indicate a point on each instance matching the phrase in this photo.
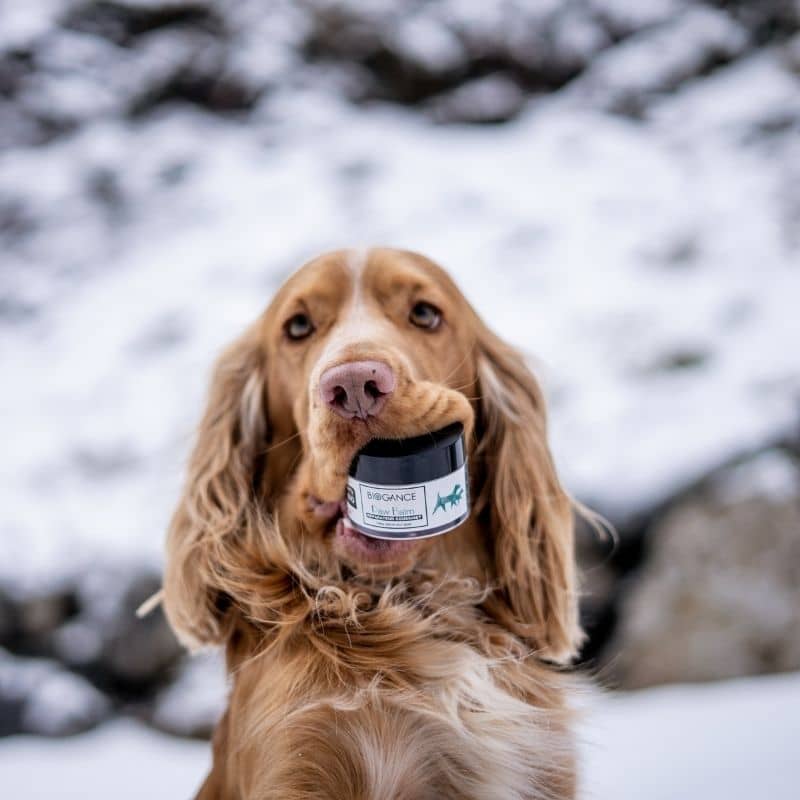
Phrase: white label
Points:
(398, 512)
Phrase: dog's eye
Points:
(299, 327)
(424, 315)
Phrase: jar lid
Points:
(400, 462)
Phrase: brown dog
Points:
(363, 668)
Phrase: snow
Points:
(648, 266)
(728, 741)
(722, 741)
(772, 474)
(123, 760)
(23, 22)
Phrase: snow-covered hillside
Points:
(650, 262)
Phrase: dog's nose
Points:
(357, 388)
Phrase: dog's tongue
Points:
(347, 531)
(367, 545)
(325, 509)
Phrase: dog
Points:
(361, 668)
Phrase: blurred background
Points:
(615, 184)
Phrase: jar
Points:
(410, 488)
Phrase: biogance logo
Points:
(351, 496)
(454, 498)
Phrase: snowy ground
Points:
(727, 741)
(730, 741)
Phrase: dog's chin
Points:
(359, 552)
(332, 446)
(374, 555)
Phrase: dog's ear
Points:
(529, 514)
(218, 491)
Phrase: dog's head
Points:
(359, 345)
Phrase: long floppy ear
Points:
(219, 486)
(529, 513)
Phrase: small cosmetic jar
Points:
(410, 488)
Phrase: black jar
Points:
(410, 488)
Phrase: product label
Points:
(400, 512)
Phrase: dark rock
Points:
(679, 359)
(138, 652)
(769, 20)
(8, 619)
(16, 220)
(719, 594)
(175, 173)
(492, 99)
(39, 616)
(791, 54)
(201, 77)
(626, 78)
(599, 585)
(107, 643)
(15, 66)
(103, 186)
(122, 22)
(115, 55)
(413, 53)
(40, 697)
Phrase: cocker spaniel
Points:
(363, 668)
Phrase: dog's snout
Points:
(357, 388)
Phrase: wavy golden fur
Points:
(421, 670)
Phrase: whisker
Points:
(463, 386)
(460, 363)
(281, 443)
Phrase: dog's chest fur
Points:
(320, 727)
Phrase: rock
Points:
(8, 618)
(791, 54)
(194, 702)
(85, 60)
(770, 20)
(123, 21)
(104, 640)
(90, 627)
(492, 99)
(39, 616)
(107, 641)
(625, 78)
(138, 652)
(38, 696)
(719, 594)
(411, 53)
(594, 548)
